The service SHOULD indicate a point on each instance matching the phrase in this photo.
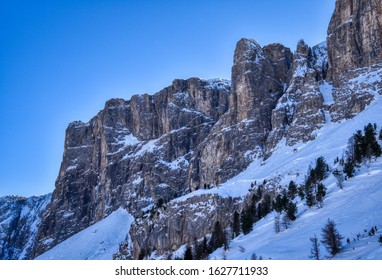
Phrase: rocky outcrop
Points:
(355, 50)
(258, 77)
(180, 222)
(356, 92)
(299, 112)
(354, 36)
(132, 154)
(20, 219)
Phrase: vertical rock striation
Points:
(354, 36)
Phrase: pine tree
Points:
(286, 221)
(277, 223)
(359, 147)
(340, 178)
(315, 250)
(372, 148)
(301, 192)
(292, 190)
(188, 254)
(321, 192)
(310, 197)
(236, 224)
(349, 168)
(321, 169)
(291, 211)
(218, 237)
(246, 221)
(331, 238)
(278, 204)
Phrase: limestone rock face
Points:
(181, 222)
(20, 218)
(299, 111)
(130, 155)
(354, 36)
(357, 90)
(240, 134)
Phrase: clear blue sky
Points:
(61, 60)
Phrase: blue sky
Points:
(61, 60)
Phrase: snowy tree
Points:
(320, 194)
(321, 169)
(315, 250)
(340, 178)
(331, 238)
(310, 197)
(218, 237)
(292, 190)
(246, 220)
(291, 211)
(236, 224)
(279, 203)
(286, 221)
(188, 254)
(372, 148)
(349, 168)
(277, 223)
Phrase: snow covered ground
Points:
(355, 209)
(97, 242)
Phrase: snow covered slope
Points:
(97, 242)
(355, 209)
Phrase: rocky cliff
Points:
(354, 36)
(150, 153)
(132, 154)
(354, 48)
(20, 219)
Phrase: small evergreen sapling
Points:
(315, 250)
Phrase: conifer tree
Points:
(286, 221)
(321, 169)
(331, 238)
(291, 211)
(292, 190)
(315, 250)
(310, 197)
(218, 237)
(321, 192)
(359, 147)
(349, 168)
(340, 178)
(246, 221)
(277, 223)
(372, 148)
(236, 224)
(188, 254)
(278, 204)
